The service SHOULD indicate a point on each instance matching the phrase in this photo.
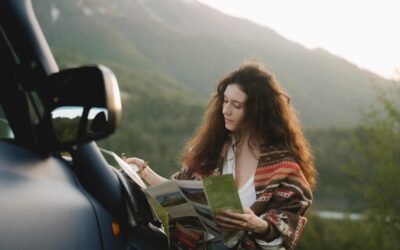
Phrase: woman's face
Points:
(233, 106)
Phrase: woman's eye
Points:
(237, 105)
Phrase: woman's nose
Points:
(226, 110)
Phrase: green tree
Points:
(332, 234)
(378, 142)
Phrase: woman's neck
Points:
(245, 145)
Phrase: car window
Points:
(5, 129)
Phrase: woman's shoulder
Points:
(277, 164)
(275, 154)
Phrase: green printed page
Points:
(222, 193)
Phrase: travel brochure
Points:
(129, 169)
(192, 203)
(196, 203)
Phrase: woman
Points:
(250, 130)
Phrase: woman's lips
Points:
(228, 121)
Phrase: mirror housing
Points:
(81, 105)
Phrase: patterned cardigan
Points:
(282, 197)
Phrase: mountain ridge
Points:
(194, 45)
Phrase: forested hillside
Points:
(194, 45)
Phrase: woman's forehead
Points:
(234, 93)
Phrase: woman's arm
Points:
(285, 198)
(145, 171)
(246, 221)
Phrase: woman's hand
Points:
(247, 221)
(145, 171)
(137, 161)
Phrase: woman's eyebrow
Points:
(236, 101)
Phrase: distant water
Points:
(337, 215)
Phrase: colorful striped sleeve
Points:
(283, 196)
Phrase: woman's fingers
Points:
(228, 223)
(135, 160)
(243, 221)
(232, 220)
(237, 216)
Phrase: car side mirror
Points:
(83, 105)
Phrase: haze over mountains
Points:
(183, 47)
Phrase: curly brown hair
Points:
(270, 120)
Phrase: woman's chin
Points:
(230, 128)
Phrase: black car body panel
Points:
(43, 206)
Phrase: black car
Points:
(56, 189)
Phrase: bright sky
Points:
(364, 32)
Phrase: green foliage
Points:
(378, 142)
(373, 168)
(332, 150)
(66, 129)
(330, 234)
